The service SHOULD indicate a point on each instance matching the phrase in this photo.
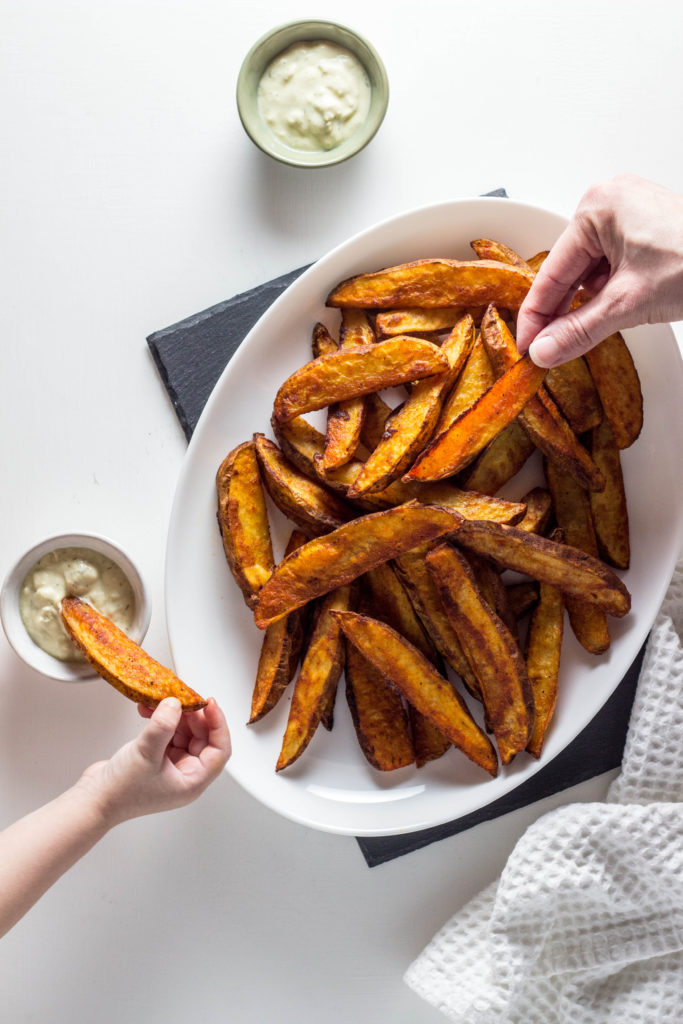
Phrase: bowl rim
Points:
(15, 631)
(366, 53)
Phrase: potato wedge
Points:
(491, 650)
(410, 427)
(522, 597)
(300, 443)
(616, 378)
(572, 571)
(303, 501)
(573, 515)
(243, 520)
(337, 558)
(544, 644)
(608, 507)
(476, 378)
(122, 662)
(488, 249)
(377, 413)
(345, 419)
(539, 507)
(419, 682)
(280, 652)
(536, 261)
(493, 590)
(500, 461)
(455, 448)
(412, 321)
(378, 715)
(322, 342)
(354, 372)
(572, 389)
(430, 283)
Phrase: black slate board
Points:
(190, 357)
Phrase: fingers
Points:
(578, 331)
(219, 735)
(160, 729)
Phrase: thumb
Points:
(581, 329)
(158, 732)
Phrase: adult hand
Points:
(625, 245)
(171, 762)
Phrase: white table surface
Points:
(130, 198)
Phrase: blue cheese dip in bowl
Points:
(83, 565)
(312, 93)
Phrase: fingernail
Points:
(172, 702)
(543, 351)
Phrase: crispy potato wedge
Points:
(573, 515)
(541, 418)
(536, 261)
(430, 283)
(419, 682)
(500, 461)
(328, 562)
(350, 373)
(280, 652)
(572, 389)
(409, 427)
(243, 520)
(490, 648)
(304, 501)
(122, 662)
(429, 743)
(544, 644)
(322, 342)
(539, 507)
(300, 443)
(322, 666)
(489, 249)
(345, 419)
(608, 507)
(573, 571)
(522, 597)
(476, 378)
(455, 448)
(616, 378)
(376, 414)
(493, 590)
(378, 715)
(411, 321)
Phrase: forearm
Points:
(39, 848)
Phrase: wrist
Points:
(90, 801)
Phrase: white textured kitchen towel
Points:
(585, 924)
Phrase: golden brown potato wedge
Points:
(489, 249)
(573, 571)
(499, 462)
(243, 520)
(280, 652)
(455, 448)
(608, 507)
(304, 501)
(376, 414)
(616, 378)
(412, 321)
(491, 650)
(320, 671)
(322, 341)
(358, 371)
(429, 743)
(300, 443)
(573, 515)
(378, 714)
(430, 283)
(419, 682)
(522, 597)
(493, 590)
(539, 507)
(328, 562)
(122, 662)
(345, 419)
(476, 378)
(544, 644)
(536, 261)
(571, 387)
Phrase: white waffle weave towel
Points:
(585, 924)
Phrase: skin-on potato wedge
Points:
(320, 671)
(541, 418)
(476, 378)
(491, 650)
(571, 387)
(411, 321)
(345, 419)
(409, 427)
(616, 378)
(489, 249)
(573, 571)
(455, 448)
(280, 652)
(322, 342)
(378, 715)
(243, 520)
(300, 443)
(500, 461)
(493, 590)
(328, 562)
(536, 261)
(573, 515)
(121, 661)
(419, 682)
(350, 373)
(430, 283)
(377, 413)
(539, 507)
(608, 507)
(522, 597)
(544, 644)
(305, 502)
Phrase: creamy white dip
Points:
(314, 95)
(72, 572)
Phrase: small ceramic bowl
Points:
(273, 43)
(24, 646)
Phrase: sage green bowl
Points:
(273, 43)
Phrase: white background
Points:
(130, 198)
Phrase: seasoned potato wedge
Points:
(608, 507)
(328, 562)
(492, 589)
(455, 448)
(300, 443)
(522, 597)
(491, 650)
(322, 342)
(536, 261)
(499, 462)
(489, 249)
(378, 714)
(544, 644)
(571, 387)
(419, 682)
(430, 283)
(411, 321)
(539, 507)
(476, 378)
(377, 413)
(320, 671)
(350, 373)
(122, 662)
(303, 501)
(243, 520)
(345, 419)
(616, 378)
